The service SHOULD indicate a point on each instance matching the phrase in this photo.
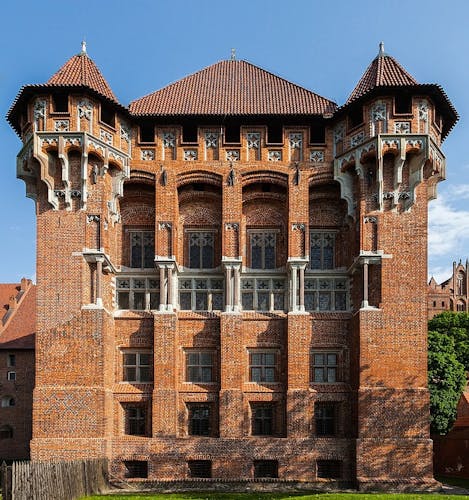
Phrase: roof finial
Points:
(83, 48)
(233, 54)
(381, 49)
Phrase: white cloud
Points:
(448, 232)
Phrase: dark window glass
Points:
(142, 249)
(11, 360)
(6, 432)
(322, 249)
(329, 469)
(138, 367)
(325, 367)
(108, 115)
(135, 420)
(318, 133)
(356, 116)
(325, 418)
(60, 103)
(199, 367)
(136, 468)
(263, 250)
(265, 468)
(200, 468)
(201, 250)
(403, 103)
(263, 367)
(189, 132)
(199, 420)
(262, 420)
(147, 132)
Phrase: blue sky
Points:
(325, 46)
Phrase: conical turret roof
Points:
(81, 71)
(384, 71)
(232, 87)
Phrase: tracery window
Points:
(326, 294)
(142, 249)
(322, 249)
(201, 294)
(263, 294)
(138, 293)
(201, 249)
(262, 246)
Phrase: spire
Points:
(81, 71)
(384, 71)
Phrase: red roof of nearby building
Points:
(232, 88)
(384, 71)
(81, 71)
(18, 315)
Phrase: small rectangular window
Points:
(189, 132)
(108, 115)
(317, 133)
(136, 468)
(265, 468)
(403, 104)
(263, 419)
(325, 367)
(138, 367)
(11, 376)
(325, 418)
(11, 361)
(200, 468)
(138, 293)
(199, 419)
(147, 132)
(199, 366)
(263, 366)
(136, 420)
(329, 469)
(60, 103)
(201, 294)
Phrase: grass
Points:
(277, 496)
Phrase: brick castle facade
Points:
(231, 273)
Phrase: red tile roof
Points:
(384, 71)
(232, 88)
(81, 71)
(18, 315)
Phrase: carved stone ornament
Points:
(404, 195)
(125, 133)
(274, 155)
(61, 125)
(423, 111)
(253, 140)
(75, 193)
(371, 219)
(73, 141)
(85, 110)
(93, 218)
(298, 226)
(414, 143)
(169, 140)
(147, 154)
(211, 139)
(39, 109)
(165, 225)
(234, 226)
(378, 112)
(402, 127)
(339, 134)
(232, 155)
(105, 137)
(60, 193)
(357, 139)
(190, 154)
(388, 195)
(296, 140)
(316, 156)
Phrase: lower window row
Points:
(267, 419)
(325, 469)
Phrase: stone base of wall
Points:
(398, 486)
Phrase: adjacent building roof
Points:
(384, 71)
(232, 88)
(17, 315)
(81, 71)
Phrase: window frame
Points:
(316, 290)
(323, 233)
(326, 366)
(209, 291)
(142, 233)
(138, 366)
(11, 360)
(255, 291)
(199, 231)
(199, 366)
(263, 366)
(199, 430)
(326, 425)
(262, 231)
(148, 290)
(141, 419)
(259, 424)
(11, 376)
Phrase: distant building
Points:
(452, 294)
(17, 329)
(231, 273)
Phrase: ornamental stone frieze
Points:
(42, 143)
(410, 151)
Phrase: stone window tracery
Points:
(142, 249)
(322, 249)
(326, 294)
(201, 249)
(262, 246)
(138, 293)
(201, 294)
(263, 294)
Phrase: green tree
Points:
(455, 325)
(446, 380)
